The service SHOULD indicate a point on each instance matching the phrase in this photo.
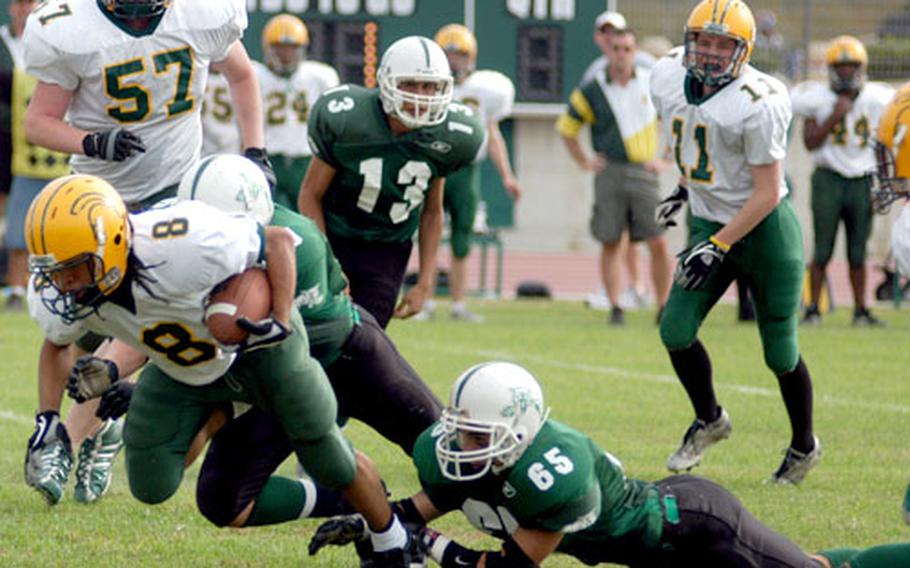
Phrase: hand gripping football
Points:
(248, 295)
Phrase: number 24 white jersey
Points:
(286, 103)
(186, 249)
(151, 84)
(716, 141)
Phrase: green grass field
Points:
(615, 384)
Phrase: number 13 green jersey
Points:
(382, 178)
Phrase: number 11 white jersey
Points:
(151, 84)
(717, 140)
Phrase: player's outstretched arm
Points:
(44, 124)
(319, 176)
(428, 237)
(245, 94)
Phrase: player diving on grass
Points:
(143, 279)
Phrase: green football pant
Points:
(462, 192)
(770, 258)
(836, 198)
(881, 556)
(289, 171)
(165, 415)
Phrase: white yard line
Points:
(486, 354)
(9, 416)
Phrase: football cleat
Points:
(796, 465)
(54, 461)
(699, 437)
(811, 317)
(467, 315)
(862, 317)
(96, 460)
(617, 316)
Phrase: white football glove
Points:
(90, 377)
(264, 333)
(671, 205)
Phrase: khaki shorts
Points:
(625, 195)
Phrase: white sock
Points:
(393, 537)
(429, 306)
(460, 306)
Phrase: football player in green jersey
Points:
(380, 158)
(544, 487)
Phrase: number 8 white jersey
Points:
(186, 249)
(152, 85)
(716, 141)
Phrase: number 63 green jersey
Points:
(564, 483)
(382, 178)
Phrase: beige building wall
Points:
(553, 214)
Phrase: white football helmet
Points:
(415, 59)
(495, 411)
(231, 183)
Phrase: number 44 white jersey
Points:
(717, 140)
(185, 250)
(848, 149)
(151, 84)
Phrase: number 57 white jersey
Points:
(152, 84)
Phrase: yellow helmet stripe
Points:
(49, 199)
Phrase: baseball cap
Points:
(609, 18)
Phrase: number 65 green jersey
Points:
(382, 178)
(563, 482)
(151, 83)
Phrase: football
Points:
(247, 294)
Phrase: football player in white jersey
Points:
(490, 94)
(130, 76)
(840, 119)
(220, 133)
(727, 123)
(144, 279)
(290, 84)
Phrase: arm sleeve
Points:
(765, 132)
(46, 63)
(222, 39)
(54, 329)
(578, 113)
(320, 133)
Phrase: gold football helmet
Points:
(284, 42)
(77, 221)
(728, 18)
(460, 46)
(847, 62)
(891, 179)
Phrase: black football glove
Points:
(261, 158)
(90, 377)
(668, 208)
(339, 531)
(264, 333)
(697, 263)
(115, 401)
(112, 145)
